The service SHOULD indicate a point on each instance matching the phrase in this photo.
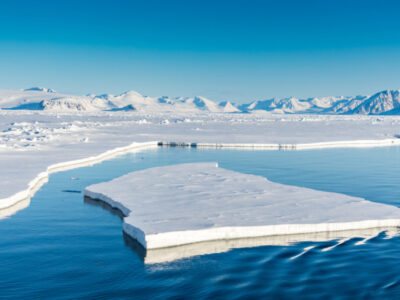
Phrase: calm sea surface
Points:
(63, 247)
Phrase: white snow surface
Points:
(188, 203)
(38, 98)
(32, 141)
(43, 99)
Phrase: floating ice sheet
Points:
(191, 203)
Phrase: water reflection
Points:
(104, 205)
(168, 254)
(162, 255)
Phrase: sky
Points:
(223, 50)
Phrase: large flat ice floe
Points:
(192, 203)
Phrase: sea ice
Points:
(191, 203)
(33, 141)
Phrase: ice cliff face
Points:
(38, 98)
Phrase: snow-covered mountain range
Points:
(37, 98)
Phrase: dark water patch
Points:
(72, 191)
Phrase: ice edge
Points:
(303, 146)
(179, 238)
(41, 178)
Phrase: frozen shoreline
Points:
(308, 146)
(42, 177)
(31, 142)
(35, 184)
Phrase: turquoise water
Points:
(63, 247)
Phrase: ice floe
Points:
(192, 203)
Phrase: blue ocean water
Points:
(62, 247)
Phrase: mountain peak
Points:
(40, 89)
(40, 98)
(132, 93)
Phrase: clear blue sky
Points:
(236, 50)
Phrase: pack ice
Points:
(190, 203)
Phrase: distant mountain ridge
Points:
(38, 98)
